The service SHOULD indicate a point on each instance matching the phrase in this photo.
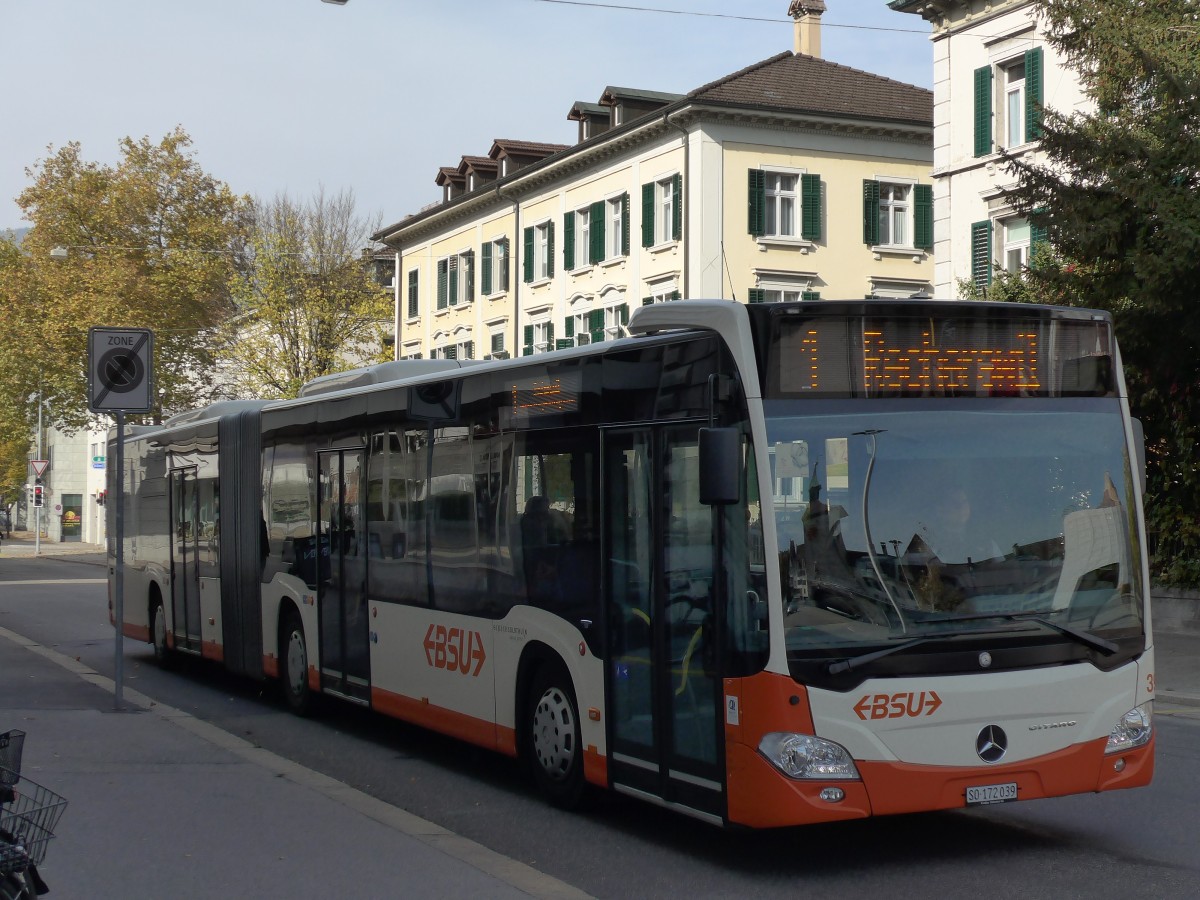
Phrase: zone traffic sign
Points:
(120, 374)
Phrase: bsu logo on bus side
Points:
(894, 706)
(454, 649)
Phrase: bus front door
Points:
(663, 680)
(341, 576)
(185, 560)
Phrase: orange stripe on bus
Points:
(212, 650)
(270, 666)
(595, 767)
(447, 721)
(896, 787)
(139, 632)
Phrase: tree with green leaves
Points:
(307, 302)
(152, 242)
(1118, 191)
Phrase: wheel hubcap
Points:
(554, 733)
(160, 631)
(297, 662)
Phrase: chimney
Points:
(807, 14)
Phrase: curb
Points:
(510, 871)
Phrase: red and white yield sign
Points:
(39, 467)
(120, 373)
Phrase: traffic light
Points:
(38, 499)
(101, 496)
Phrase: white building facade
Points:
(993, 74)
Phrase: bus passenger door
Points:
(341, 575)
(663, 679)
(185, 560)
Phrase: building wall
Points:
(77, 470)
(968, 188)
(715, 256)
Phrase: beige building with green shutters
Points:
(994, 73)
(792, 178)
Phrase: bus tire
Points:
(554, 745)
(293, 664)
(158, 634)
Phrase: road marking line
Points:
(37, 581)
(503, 868)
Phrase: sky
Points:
(291, 96)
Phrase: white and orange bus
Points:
(764, 564)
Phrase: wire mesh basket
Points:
(11, 744)
(27, 822)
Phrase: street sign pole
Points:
(119, 574)
(120, 381)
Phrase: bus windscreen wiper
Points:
(1086, 638)
(855, 662)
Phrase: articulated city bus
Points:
(764, 564)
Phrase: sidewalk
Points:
(161, 804)
(22, 544)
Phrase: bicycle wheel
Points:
(14, 887)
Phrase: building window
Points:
(412, 294)
(1016, 244)
(456, 279)
(497, 350)
(662, 211)
(577, 238)
(539, 252)
(1020, 107)
(493, 269)
(784, 204)
(897, 214)
(617, 231)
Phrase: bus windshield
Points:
(930, 519)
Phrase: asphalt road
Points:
(1125, 844)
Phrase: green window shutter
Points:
(564, 344)
(442, 269)
(1038, 232)
(550, 333)
(468, 260)
(623, 313)
(756, 295)
(923, 216)
(502, 267)
(870, 212)
(981, 254)
(413, 294)
(675, 295)
(595, 319)
(648, 215)
(485, 269)
(596, 232)
(569, 242)
(756, 201)
(810, 207)
(498, 343)
(469, 349)
(677, 207)
(450, 353)
(528, 261)
(983, 111)
(528, 350)
(454, 282)
(569, 327)
(625, 224)
(810, 295)
(647, 301)
(550, 250)
(1033, 94)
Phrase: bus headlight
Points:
(1133, 730)
(805, 756)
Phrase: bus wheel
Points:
(555, 747)
(294, 653)
(158, 634)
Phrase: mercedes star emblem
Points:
(991, 743)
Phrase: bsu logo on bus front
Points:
(454, 648)
(895, 706)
